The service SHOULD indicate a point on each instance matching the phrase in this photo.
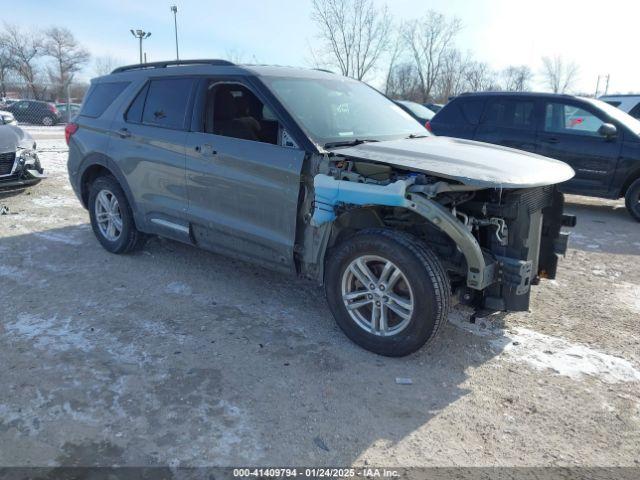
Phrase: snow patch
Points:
(49, 333)
(178, 288)
(629, 295)
(60, 238)
(545, 352)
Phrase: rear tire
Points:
(47, 121)
(111, 217)
(632, 199)
(416, 298)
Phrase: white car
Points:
(627, 103)
(7, 118)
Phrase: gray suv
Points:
(323, 177)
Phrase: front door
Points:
(570, 132)
(243, 185)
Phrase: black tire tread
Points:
(630, 199)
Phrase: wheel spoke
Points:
(403, 302)
(111, 229)
(353, 295)
(375, 318)
(404, 313)
(383, 320)
(360, 304)
(393, 278)
(117, 222)
(113, 204)
(102, 217)
(104, 201)
(362, 278)
(362, 265)
(388, 269)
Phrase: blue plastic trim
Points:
(330, 192)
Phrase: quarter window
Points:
(100, 96)
(566, 118)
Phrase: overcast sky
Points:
(600, 36)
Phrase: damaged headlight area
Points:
(20, 169)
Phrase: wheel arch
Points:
(97, 165)
(632, 177)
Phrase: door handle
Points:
(552, 140)
(124, 133)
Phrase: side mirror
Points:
(608, 130)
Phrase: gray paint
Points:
(472, 163)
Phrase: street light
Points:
(174, 9)
(141, 35)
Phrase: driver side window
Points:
(567, 118)
(232, 110)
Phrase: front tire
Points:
(47, 121)
(387, 290)
(632, 199)
(111, 217)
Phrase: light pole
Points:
(174, 9)
(141, 35)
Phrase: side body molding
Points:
(330, 192)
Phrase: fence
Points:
(40, 103)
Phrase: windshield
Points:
(342, 110)
(618, 115)
(417, 109)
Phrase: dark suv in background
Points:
(600, 142)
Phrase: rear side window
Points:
(635, 111)
(100, 96)
(166, 102)
(461, 110)
(510, 113)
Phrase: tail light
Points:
(428, 126)
(69, 130)
(52, 108)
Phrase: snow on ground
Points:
(542, 352)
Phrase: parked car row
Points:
(37, 112)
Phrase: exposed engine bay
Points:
(494, 242)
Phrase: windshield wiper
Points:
(349, 143)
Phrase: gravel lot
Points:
(175, 356)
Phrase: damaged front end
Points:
(495, 242)
(19, 163)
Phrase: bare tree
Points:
(429, 41)
(24, 49)
(559, 75)
(69, 57)
(353, 34)
(451, 81)
(403, 82)
(479, 77)
(517, 78)
(6, 66)
(105, 64)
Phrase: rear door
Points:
(569, 133)
(243, 183)
(148, 142)
(510, 121)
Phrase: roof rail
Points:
(142, 66)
